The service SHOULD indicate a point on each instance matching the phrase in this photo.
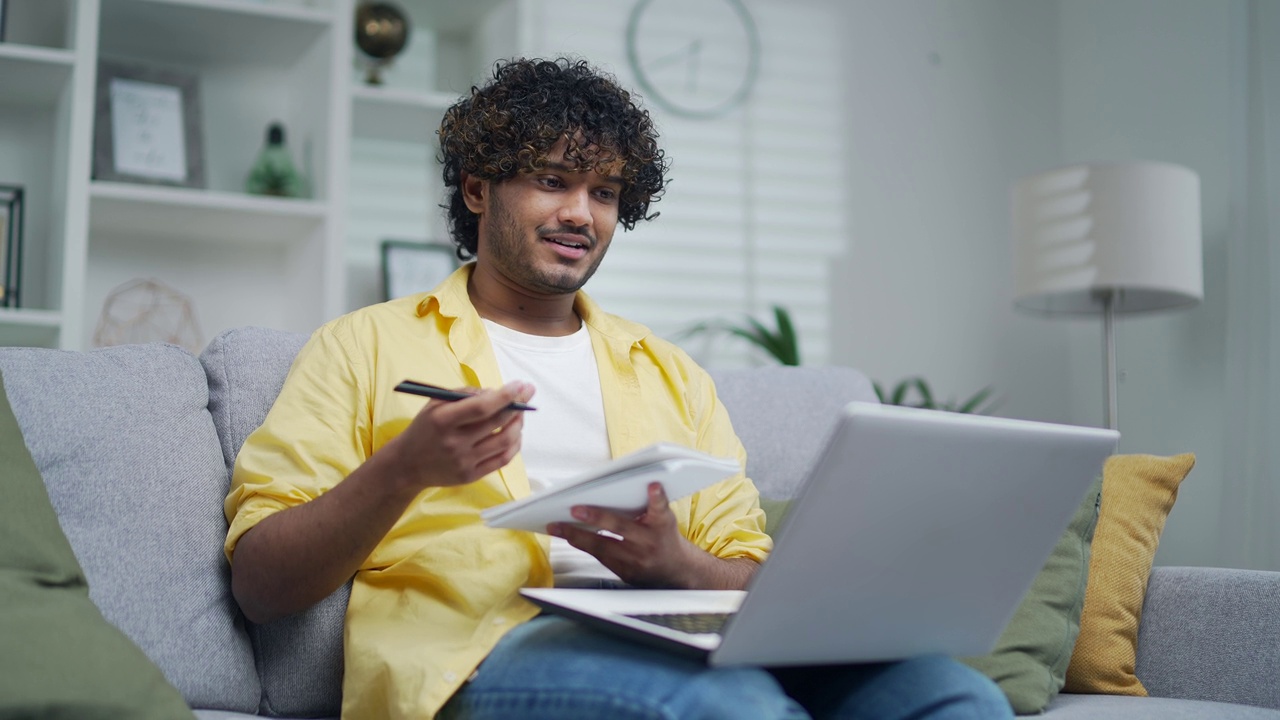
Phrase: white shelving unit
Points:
(241, 259)
(396, 188)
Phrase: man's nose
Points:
(575, 211)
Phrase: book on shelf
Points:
(620, 484)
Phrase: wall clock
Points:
(695, 58)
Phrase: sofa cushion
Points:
(1030, 659)
(1138, 491)
(1112, 707)
(130, 459)
(59, 658)
(300, 656)
(1211, 634)
(779, 458)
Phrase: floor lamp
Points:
(1107, 238)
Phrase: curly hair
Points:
(509, 125)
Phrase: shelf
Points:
(397, 114)
(20, 327)
(182, 214)
(33, 76)
(450, 17)
(197, 31)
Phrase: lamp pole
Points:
(1109, 332)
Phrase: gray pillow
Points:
(59, 658)
(128, 452)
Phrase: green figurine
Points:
(273, 173)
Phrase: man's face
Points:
(547, 231)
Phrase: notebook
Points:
(916, 532)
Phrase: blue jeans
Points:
(554, 669)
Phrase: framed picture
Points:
(147, 126)
(414, 267)
(11, 197)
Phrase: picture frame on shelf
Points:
(147, 126)
(11, 221)
(410, 267)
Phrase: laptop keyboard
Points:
(704, 623)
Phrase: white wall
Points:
(948, 103)
(1159, 80)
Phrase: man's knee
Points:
(944, 688)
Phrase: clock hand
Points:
(663, 61)
(695, 55)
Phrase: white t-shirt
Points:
(566, 435)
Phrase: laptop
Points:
(916, 532)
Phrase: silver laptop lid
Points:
(916, 532)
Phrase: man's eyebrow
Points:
(566, 167)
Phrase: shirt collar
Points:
(451, 300)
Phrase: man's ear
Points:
(474, 192)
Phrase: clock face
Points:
(697, 58)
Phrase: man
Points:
(348, 479)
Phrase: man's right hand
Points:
(460, 441)
(294, 558)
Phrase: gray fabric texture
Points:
(128, 452)
(1211, 634)
(1105, 707)
(300, 656)
(783, 415)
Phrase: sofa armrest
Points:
(1211, 634)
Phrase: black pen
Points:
(439, 393)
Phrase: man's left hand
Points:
(648, 550)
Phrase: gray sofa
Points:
(135, 445)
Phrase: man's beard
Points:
(511, 253)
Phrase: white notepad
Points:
(620, 484)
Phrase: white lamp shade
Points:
(1133, 228)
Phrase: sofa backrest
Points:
(782, 415)
(128, 452)
(300, 656)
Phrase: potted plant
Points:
(915, 392)
(779, 343)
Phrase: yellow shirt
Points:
(441, 588)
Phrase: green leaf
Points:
(900, 392)
(971, 405)
(926, 395)
(787, 340)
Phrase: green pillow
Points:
(774, 511)
(1030, 659)
(59, 658)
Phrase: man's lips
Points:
(568, 245)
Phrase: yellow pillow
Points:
(1137, 494)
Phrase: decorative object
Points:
(382, 31)
(274, 173)
(414, 267)
(1138, 491)
(11, 222)
(1107, 238)
(980, 403)
(781, 344)
(145, 310)
(695, 58)
(147, 126)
